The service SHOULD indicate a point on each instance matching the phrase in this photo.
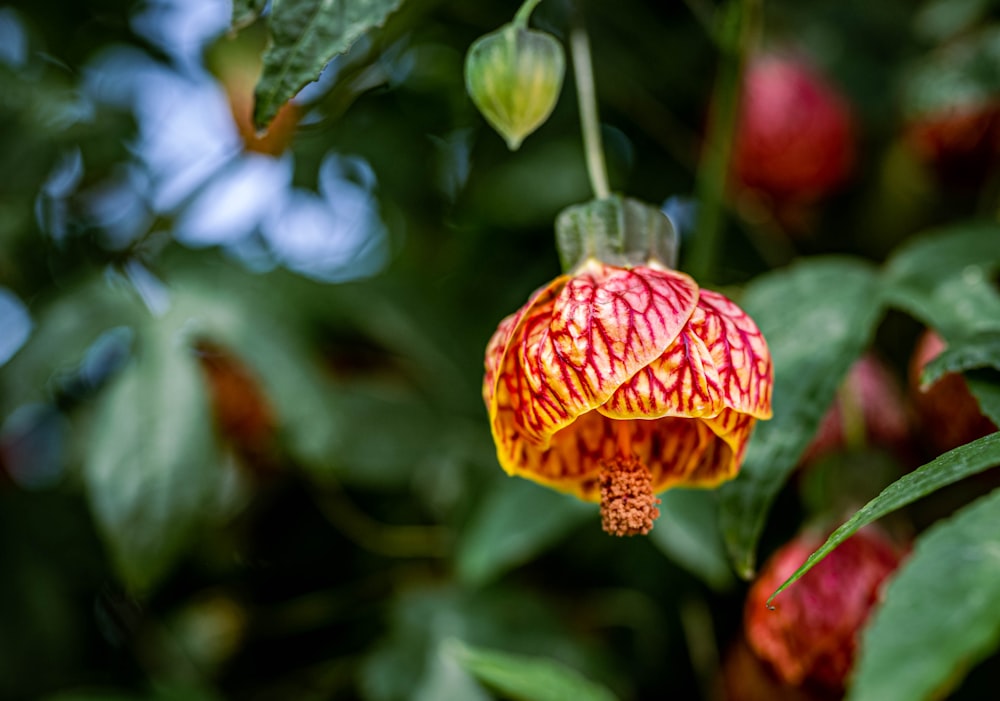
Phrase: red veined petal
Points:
(740, 353)
(605, 325)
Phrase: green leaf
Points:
(305, 36)
(985, 388)
(978, 356)
(817, 316)
(964, 72)
(687, 532)
(527, 678)
(246, 12)
(980, 351)
(946, 469)
(151, 467)
(941, 611)
(501, 537)
(945, 280)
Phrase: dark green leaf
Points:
(946, 469)
(986, 389)
(305, 36)
(817, 317)
(152, 469)
(945, 280)
(979, 351)
(941, 612)
(501, 537)
(527, 678)
(246, 12)
(687, 531)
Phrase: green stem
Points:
(583, 70)
(521, 18)
(737, 34)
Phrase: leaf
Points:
(151, 466)
(305, 36)
(979, 351)
(941, 611)
(979, 357)
(817, 317)
(985, 388)
(946, 469)
(687, 532)
(945, 280)
(527, 678)
(270, 343)
(246, 12)
(500, 537)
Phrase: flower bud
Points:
(514, 76)
(809, 635)
(868, 410)
(795, 137)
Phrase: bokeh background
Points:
(243, 448)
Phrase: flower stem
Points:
(521, 18)
(737, 33)
(583, 70)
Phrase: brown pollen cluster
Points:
(628, 505)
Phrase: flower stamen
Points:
(628, 504)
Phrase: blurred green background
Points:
(243, 444)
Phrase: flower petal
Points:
(740, 353)
(605, 325)
(681, 382)
(677, 451)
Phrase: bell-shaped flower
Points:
(623, 378)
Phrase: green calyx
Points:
(615, 230)
(514, 77)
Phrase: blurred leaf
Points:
(246, 12)
(517, 521)
(945, 280)
(446, 679)
(242, 312)
(527, 678)
(63, 333)
(980, 351)
(940, 613)
(964, 72)
(687, 531)
(152, 468)
(939, 19)
(986, 389)
(817, 316)
(946, 469)
(305, 36)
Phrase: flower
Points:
(622, 379)
(809, 635)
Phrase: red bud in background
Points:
(870, 409)
(949, 415)
(960, 144)
(810, 635)
(795, 137)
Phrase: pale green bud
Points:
(514, 76)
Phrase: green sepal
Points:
(615, 230)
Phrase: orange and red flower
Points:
(615, 383)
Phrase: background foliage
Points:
(243, 445)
